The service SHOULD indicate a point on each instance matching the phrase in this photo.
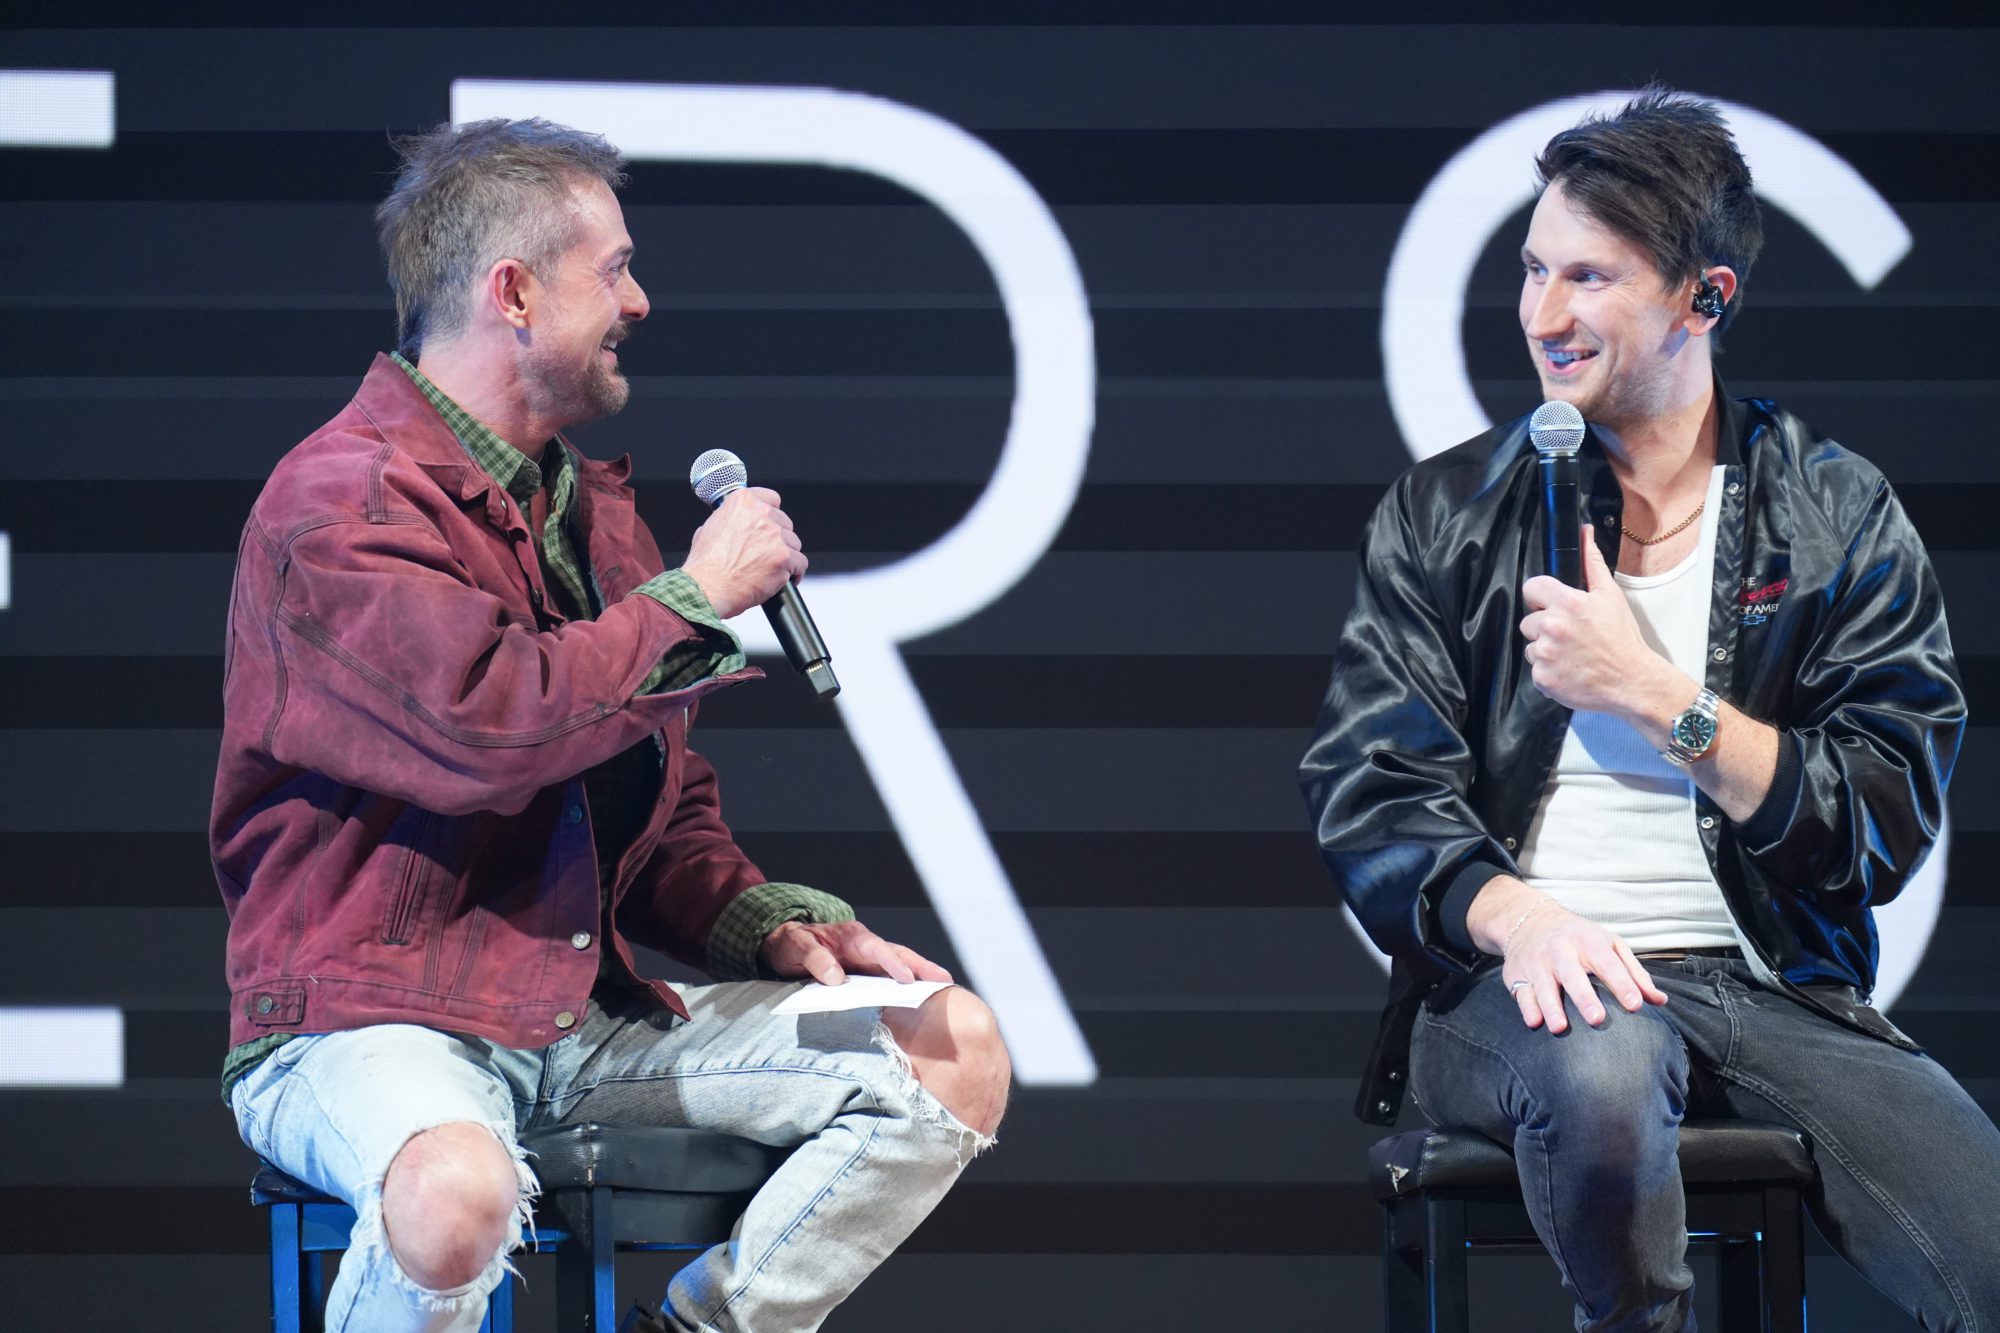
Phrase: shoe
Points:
(640, 1319)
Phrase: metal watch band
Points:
(1700, 717)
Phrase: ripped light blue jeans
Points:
(874, 1151)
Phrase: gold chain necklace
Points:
(1655, 541)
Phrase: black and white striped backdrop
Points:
(182, 306)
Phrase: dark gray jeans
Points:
(1909, 1166)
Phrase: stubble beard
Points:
(1617, 403)
(576, 393)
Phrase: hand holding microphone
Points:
(747, 554)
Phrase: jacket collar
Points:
(398, 410)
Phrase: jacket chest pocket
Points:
(407, 898)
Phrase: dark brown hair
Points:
(1665, 173)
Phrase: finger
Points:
(820, 963)
(1576, 981)
(762, 493)
(1531, 626)
(1541, 592)
(883, 959)
(1648, 988)
(1548, 998)
(1596, 574)
(1524, 996)
(1608, 963)
(781, 518)
(922, 967)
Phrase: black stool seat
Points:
(604, 1188)
(1444, 1191)
(1716, 1152)
(622, 1157)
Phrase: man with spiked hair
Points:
(456, 789)
(1623, 841)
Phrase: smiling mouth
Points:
(1563, 360)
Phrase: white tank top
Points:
(1614, 839)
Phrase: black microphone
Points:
(1557, 430)
(714, 476)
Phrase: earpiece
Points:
(1707, 298)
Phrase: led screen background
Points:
(186, 304)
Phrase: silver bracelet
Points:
(1508, 941)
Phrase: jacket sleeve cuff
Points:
(716, 652)
(736, 940)
(1767, 823)
(1455, 903)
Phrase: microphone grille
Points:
(1556, 428)
(715, 474)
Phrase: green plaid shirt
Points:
(736, 939)
(562, 562)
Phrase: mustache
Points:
(620, 331)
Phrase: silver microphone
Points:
(715, 476)
(1557, 430)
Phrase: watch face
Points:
(1694, 731)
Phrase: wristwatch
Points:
(1691, 733)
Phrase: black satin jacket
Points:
(1434, 747)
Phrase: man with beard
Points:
(455, 789)
(1623, 841)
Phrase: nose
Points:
(1544, 311)
(632, 302)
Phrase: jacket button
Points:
(1384, 1108)
(1720, 654)
(1708, 821)
(1509, 844)
(1733, 487)
(574, 814)
(565, 1020)
(1609, 520)
(580, 940)
(265, 1004)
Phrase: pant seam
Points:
(1923, 1242)
(1551, 1243)
(799, 1219)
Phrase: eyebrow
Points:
(622, 252)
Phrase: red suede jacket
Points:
(399, 826)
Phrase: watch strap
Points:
(1705, 707)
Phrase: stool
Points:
(1444, 1190)
(604, 1188)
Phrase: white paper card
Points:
(858, 993)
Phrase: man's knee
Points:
(956, 1052)
(448, 1204)
(1614, 1089)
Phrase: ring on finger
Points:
(1515, 986)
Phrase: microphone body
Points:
(1557, 431)
(715, 476)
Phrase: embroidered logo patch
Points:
(1758, 603)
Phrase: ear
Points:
(1723, 278)
(511, 292)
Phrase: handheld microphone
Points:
(1557, 430)
(714, 476)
